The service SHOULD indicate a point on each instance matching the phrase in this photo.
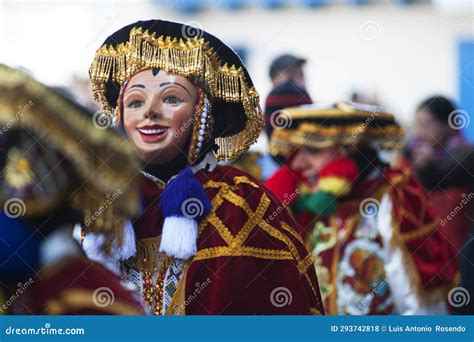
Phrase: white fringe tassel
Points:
(179, 237)
(92, 246)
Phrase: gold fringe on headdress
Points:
(309, 128)
(191, 57)
(105, 164)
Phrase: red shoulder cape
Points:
(78, 286)
(250, 257)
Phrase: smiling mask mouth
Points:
(152, 130)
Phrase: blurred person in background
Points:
(434, 151)
(262, 165)
(375, 240)
(289, 89)
(286, 68)
(457, 172)
(49, 181)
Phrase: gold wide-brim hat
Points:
(190, 52)
(339, 124)
(56, 152)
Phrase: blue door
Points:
(466, 84)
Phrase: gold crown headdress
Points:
(190, 52)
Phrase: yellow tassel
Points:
(335, 185)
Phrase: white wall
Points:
(403, 53)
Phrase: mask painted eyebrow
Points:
(180, 85)
(137, 86)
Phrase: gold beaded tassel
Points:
(153, 291)
(147, 294)
(159, 287)
(151, 263)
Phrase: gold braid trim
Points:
(237, 181)
(313, 290)
(244, 180)
(304, 264)
(216, 203)
(290, 230)
(301, 264)
(255, 218)
(272, 231)
(189, 58)
(222, 251)
(78, 299)
(220, 227)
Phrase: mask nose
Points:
(153, 112)
(151, 115)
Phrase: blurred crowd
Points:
(435, 155)
(385, 217)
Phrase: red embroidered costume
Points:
(378, 249)
(238, 251)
